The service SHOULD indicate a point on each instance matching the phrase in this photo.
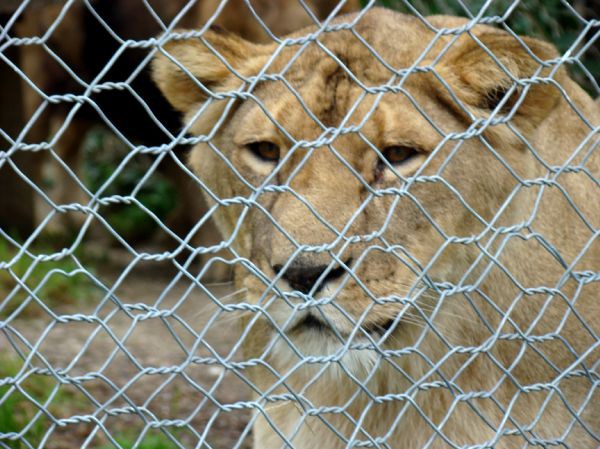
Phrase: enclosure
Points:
(131, 308)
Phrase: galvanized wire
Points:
(491, 241)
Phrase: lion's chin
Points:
(313, 348)
(311, 322)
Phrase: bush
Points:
(109, 170)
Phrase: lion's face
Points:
(356, 191)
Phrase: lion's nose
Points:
(303, 277)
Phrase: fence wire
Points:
(414, 249)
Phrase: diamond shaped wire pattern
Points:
(298, 224)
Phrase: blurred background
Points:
(98, 215)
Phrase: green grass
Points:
(54, 282)
(17, 410)
(150, 441)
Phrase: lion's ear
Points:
(195, 67)
(482, 81)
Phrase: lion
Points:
(415, 214)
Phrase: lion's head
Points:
(385, 178)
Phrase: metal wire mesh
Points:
(340, 330)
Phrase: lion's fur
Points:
(280, 17)
(461, 378)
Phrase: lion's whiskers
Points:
(422, 301)
(223, 299)
(233, 315)
(414, 313)
(442, 329)
(442, 312)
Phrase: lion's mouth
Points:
(315, 324)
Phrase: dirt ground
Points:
(154, 360)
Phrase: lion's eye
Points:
(397, 154)
(267, 151)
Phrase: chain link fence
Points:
(381, 230)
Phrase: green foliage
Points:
(54, 282)
(549, 20)
(104, 156)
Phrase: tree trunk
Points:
(17, 211)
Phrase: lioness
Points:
(418, 222)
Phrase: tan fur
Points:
(458, 360)
(281, 17)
